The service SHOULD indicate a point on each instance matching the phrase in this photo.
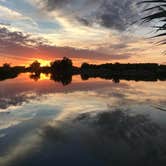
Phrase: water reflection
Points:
(110, 138)
(66, 77)
(93, 122)
(114, 137)
(22, 89)
(35, 76)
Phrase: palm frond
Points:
(155, 7)
(158, 13)
(152, 1)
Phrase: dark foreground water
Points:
(86, 123)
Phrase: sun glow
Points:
(42, 62)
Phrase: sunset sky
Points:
(93, 31)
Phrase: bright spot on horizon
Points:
(42, 62)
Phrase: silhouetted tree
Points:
(6, 66)
(35, 66)
(62, 66)
(84, 65)
(6, 72)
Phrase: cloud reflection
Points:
(114, 137)
(88, 122)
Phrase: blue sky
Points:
(29, 16)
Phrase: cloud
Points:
(24, 45)
(19, 38)
(16, 42)
(112, 14)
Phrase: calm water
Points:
(86, 123)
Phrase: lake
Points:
(92, 122)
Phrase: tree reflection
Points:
(35, 76)
(64, 78)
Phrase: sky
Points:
(93, 31)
